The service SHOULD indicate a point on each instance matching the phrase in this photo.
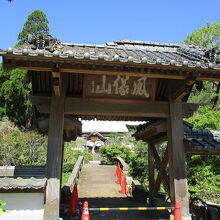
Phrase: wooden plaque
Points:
(118, 87)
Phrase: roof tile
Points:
(124, 51)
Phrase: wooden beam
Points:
(152, 131)
(69, 124)
(154, 89)
(158, 139)
(183, 89)
(160, 174)
(56, 83)
(151, 173)
(177, 166)
(211, 79)
(77, 106)
(85, 86)
(32, 68)
(180, 93)
(105, 67)
(54, 156)
(158, 165)
(188, 109)
(122, 73)
(85, 107)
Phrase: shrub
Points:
(21, 147)
(68, 167)
(206, 118)
(139, 163)
(204, 176)
(70, 157)
(71, 154)
(111, 152)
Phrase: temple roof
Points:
(197, 141)
(22, 178)
(20, 183)
(202, 140)
(23, 171)
(95, 133)
(123, 51)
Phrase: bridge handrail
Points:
(75, 173)
(123, 165)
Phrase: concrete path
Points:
(98, 181)
(97, 186)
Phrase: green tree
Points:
(203, 174)
(206, 118)
(36, 24)
(19, 147)
(14, 86)
(207, 37)
(14, 92)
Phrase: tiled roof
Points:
(203, 139)
(125, 51)
(197, 139)
(96, 133)
(23, 171)
(8, 183)
(22, 177)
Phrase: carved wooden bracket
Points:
(183, 89)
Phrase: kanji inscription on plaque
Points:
(118, 86)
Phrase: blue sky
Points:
(97, 21)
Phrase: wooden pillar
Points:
(151, 173)
(54, 154)
(177, 164)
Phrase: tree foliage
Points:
(207, 36)
(14, 86)
(111, 152)
(133, 152)
(14, 92)
(206, 118)
(72, 152)
(19, 147)
(204, 176)
(36, 24)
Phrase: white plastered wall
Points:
(23, 206)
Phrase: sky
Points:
(98, 22)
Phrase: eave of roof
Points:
(198, 140)
(8, 183)
(125, 51)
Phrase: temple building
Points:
(124, 81)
